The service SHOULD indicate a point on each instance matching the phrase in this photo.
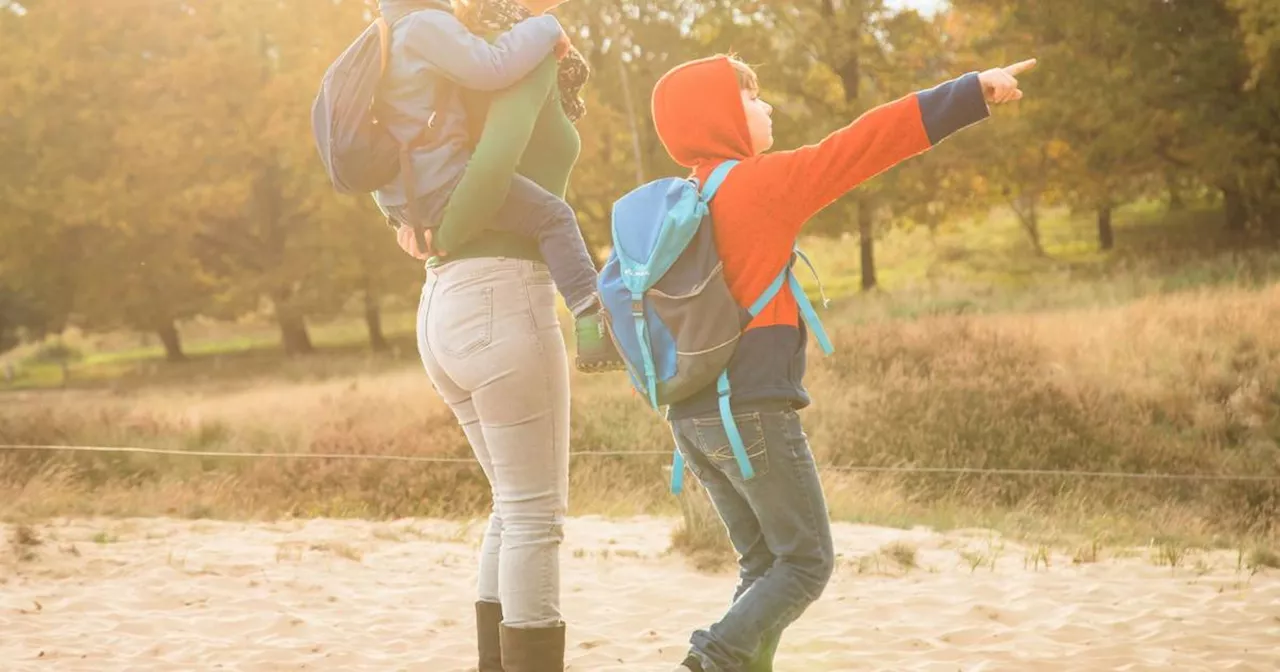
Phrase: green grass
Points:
(342, 347)
(989, 265)
(969, 267)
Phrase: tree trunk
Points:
(172, 341)
(373, 320)
(866, 241)
(1176, 201)
(1030, 220)
(1106, 234)
(1235, 210)
(293, 331)
(851, 77)
(1270, 216)
(1033, 230)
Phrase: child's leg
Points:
(754, 560)
(549, 160)
(526, 129)
(533, 211)
(784, 510)
(509, 124)
(491, 195)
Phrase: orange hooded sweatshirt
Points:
(767, 198)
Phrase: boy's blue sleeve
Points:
(441, 39)
(952, 106)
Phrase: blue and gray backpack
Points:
(669, 307)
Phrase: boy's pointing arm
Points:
(804, 181)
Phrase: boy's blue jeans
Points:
(777, 522)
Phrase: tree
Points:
(145, 242)
(629, 46)
(56, 143)
(1128, 95)
(94, 212)
(272, 224)
(1260, 23)
(14, 316)
(1105, 132)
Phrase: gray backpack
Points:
(670, 310)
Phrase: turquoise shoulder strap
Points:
(806, 307)
(716, 179)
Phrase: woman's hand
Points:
(564, 45)
(409, 243)
(540, 7)
(1000, 85)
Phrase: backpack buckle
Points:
(637, 308)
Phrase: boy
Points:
(706, 112)
(433, 55)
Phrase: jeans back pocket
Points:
(464, 321)
(713, 441)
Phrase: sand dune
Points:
(159, 594)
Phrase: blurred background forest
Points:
(159, 166)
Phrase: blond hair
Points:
(747, 78)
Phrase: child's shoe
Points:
(596, 351)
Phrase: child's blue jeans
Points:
(777, 522)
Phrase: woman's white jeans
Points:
(491, 342)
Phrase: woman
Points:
(490, 341)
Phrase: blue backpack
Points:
(669, 307)
(359, 154)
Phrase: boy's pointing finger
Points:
(1019, 68)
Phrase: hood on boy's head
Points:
(697, 109)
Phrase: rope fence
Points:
(649, 453)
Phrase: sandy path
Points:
(160, 594)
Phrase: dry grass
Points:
(1170, 553)
(340, 549)
(1185, 383)
(395, 413)
(903, 555)
(701, 535)
(1263, 558)
(974, 559)
(1087, 554)
(1037, 557)
(24, 542)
